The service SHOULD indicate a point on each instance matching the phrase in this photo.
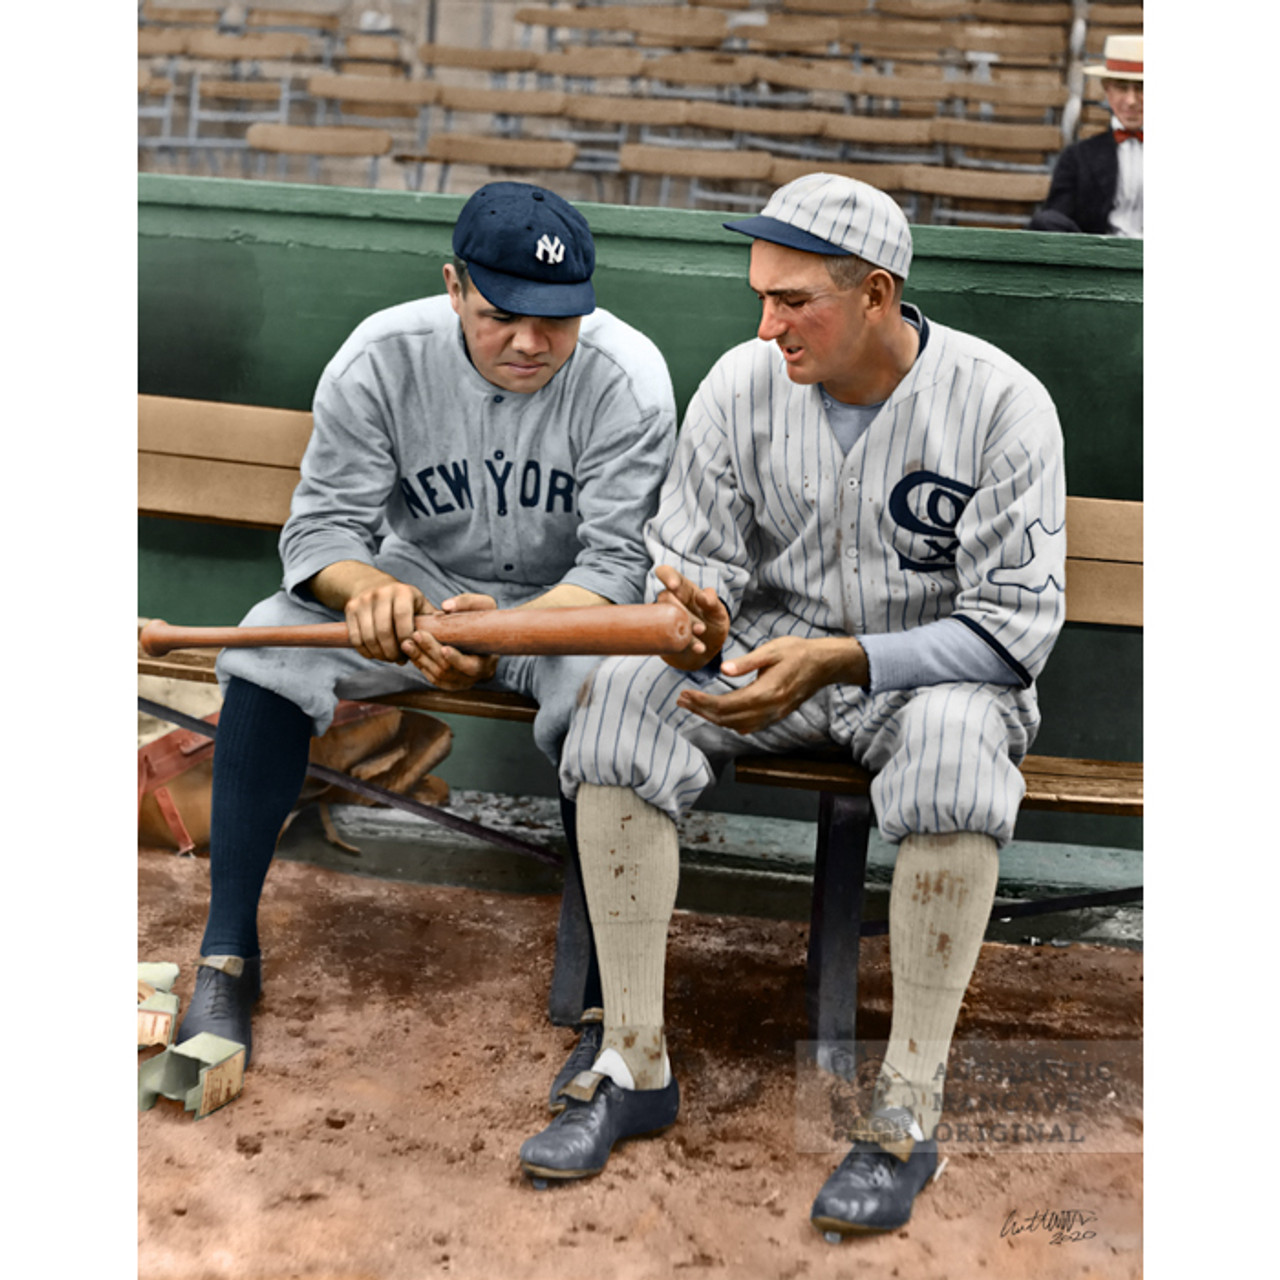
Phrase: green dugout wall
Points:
(245, 289)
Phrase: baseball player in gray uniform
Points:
(499, 445)
(865, 518)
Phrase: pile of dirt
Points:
(402, 1053)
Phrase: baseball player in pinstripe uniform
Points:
(501, 444)
(865, 518)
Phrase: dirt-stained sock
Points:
(943, 888)
(630, 858)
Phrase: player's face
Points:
(517, 353)
(819, 328)
(1124, 97)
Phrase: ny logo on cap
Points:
(553, 249)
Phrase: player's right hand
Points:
(380, 617)
(710, 618)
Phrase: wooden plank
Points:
(515, 153)
(694, 162)
(239, 433)
(1104, 593)
(722, 115)
(218, 492)
(353, 88)
(592, 63)
(992, 186)
(888, 177)
(610, 109)
(533, 102)
(1104, 529)
(1106, 787)
(318, 140)
(1010, 137)
(876, 129)
(445, 55)
(703, 68)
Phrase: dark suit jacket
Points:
(1083, 187)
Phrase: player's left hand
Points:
(442, 664)
(790, 670)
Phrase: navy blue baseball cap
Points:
(528, 250)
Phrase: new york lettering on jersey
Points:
(506, 484)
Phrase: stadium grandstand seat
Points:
(176, 13)
(342, 99)
(696, 166)
(580, 69)
(220, 111)
(316, 143)
(498, 63)
(506, 107)
(381, 54)
(448, 149)
(156, 101)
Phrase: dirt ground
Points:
(402, 1053)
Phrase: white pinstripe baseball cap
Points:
(830, 214)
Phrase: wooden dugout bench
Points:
(238, 465)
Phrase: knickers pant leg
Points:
(946, 758)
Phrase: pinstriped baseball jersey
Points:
(951, 505)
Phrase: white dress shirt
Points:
(1126, 213)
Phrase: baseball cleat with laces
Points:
(227, 987)
(876, 1184)
(583, 1056)
(597, 1114)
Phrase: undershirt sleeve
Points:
(939, 652)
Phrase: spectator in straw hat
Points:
(1097, 183)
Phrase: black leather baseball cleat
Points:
(227, 987)
(876, 1184)
(597, 1114)
(584, 1054)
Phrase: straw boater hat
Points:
(1122, 59)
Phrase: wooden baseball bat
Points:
(595, 629)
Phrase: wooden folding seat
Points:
(220, 111)
(586, 65)
(886, 139)
(318, 142)
(156, 101)
(499, 63)
(162, 42)
(787, 33)
(178, 14)
(555, 21)
(1036, 12)
(447, 149)
(674, 28)
(977, 196)
(695, 165)
(352, 99)
(599, 124)
(506, 106)
(697, 74)
(371, 55)
(888, 177)
(978, 144)
(831, 8)
(760, 128)
(322, 19)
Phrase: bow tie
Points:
(1123, 135)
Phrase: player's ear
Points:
(454, 286)
(878, 291)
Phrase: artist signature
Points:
(1064, 1226)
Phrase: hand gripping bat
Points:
(594, 629)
